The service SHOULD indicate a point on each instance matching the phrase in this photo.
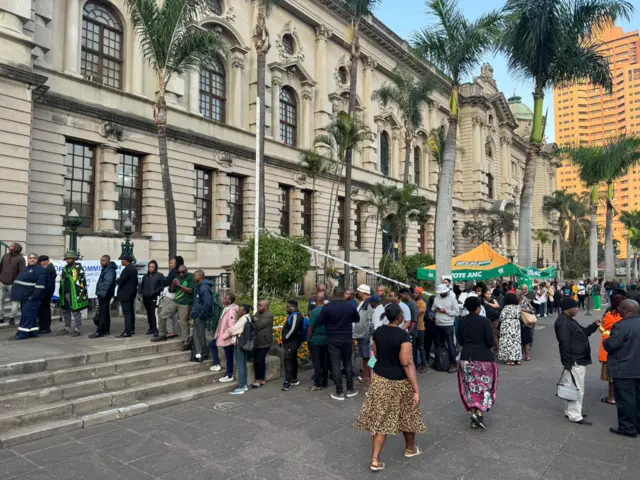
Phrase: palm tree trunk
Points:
(526, 207)
(635, 264)
(375, 242)
(353, 83)
(444, 201)
(160, 115)
(332, 203)
(628, 259)
(609, 256)
(593, 236)
(313, 204)
(407, 156)
(262, 61)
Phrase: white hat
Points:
(364, 289)
(442, 288)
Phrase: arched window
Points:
(384, 153)
(288, 43)
(488, 150)
(417, 159)
(101, 59)
(288, 116)
(213, 81)
(490, 187)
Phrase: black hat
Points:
(128, 258)
(567, 303)
(43, 258)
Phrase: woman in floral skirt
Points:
(477, 370)
(393, 404)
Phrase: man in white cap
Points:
(447, 309)
(363, 330)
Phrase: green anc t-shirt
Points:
(182, 297)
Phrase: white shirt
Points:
(378, 321)
(405, 311)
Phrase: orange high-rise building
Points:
(587, 115)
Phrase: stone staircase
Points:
(39, 398)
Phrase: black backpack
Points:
(442, 362)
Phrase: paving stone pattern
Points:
(270, 434)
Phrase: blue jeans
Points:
(228, 355)
(241, 362)
(542, 308)
(446, 336)
(214, 352)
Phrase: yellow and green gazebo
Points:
(481, 263)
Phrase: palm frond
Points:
(359, 9)
(193, 48)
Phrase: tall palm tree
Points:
(591, 171)
(543, 238)
(630, 220)
(408, 95)
(456, 45)
(379, 197)
(171, 46)
(551, 42)
(343, 134)
(357, 10)
(569, 209)
(262, 44)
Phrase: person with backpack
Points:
(318, 347)
(363, 330)
(243, 338)
(201, 313)
(294, 332)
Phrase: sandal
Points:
(415, 453)
(606, 400)
(64, 331)
(376, 466)
(518, 363)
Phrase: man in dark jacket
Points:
(167, 302)
(27, 290)
(151, 286)
(575, 354)
(291, 341)
(633, 293)
(263, 326)
(44, 312)
(127, 291)
(623, 347)
(105, 289)
(11, 265)
(201, 313)
(338, 316)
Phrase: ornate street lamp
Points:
(127, 245)
(71, 222)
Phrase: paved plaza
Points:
(270, 434)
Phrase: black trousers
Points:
(291, 360)
(103, 317)
(129, 314)
(260, 363)
(430, 337)
(44, 314)
(320, 359)
(627, 394)
(340, 355)
(150, 304)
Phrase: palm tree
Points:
(591, 171)
(357, 10)
(551, 42)
(379, 197)
(171, 46)
(343, 134)
(408, 95)
(262, 45)
(630, 220)
(407, 206)
(543, 238)
(569, 209)
(455, 45)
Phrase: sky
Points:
(413, 16)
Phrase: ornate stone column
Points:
(137, 66)
(369, 152)
(478, 146)
(433, 116)
(73, 21)
(307, 117)
(322, 74)
(395, 153)
(276, 85)
(297, 197)
(108, 160)
(505, 151)
(236, 109)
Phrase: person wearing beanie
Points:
(575, 354)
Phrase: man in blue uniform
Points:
(28, 289)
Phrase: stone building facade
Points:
(76, 131)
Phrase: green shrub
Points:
(282, 263)
(413, 262)
(391, 268)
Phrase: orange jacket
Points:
(610, 319)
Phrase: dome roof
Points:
(519, 109)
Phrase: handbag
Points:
(529, 319)
(565, 390)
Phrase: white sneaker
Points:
(245, 388)
(215, 368)
(238, 391)
(226, 379)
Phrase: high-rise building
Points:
(588, 115)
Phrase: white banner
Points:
(92, 271)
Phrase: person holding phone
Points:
(393, 404)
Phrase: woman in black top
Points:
(477, 370)
(393, 403)
(151, 286)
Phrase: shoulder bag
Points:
(567, 390)
(529, 319)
